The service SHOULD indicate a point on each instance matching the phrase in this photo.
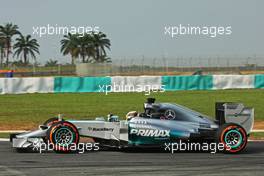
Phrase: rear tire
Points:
(233, 136)
(63, 136)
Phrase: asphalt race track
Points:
(250, 162)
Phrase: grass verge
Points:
(257, 136)
(4, 135)
(27, 111)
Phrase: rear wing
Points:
(230, 112)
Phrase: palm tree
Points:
(26, 46)
(69, 46)
(101, 42)
(7, 32)
(2, 50)
(105, 59)
(51, 63)
(85, 47)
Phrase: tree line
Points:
(24, 47)
(87, 48)
(90, 47)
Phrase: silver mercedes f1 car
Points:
(158, 124)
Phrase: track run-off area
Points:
(249, 162)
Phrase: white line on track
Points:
(256, 140)
(4, 139)
(257, 131)
(12, 131)
(4, 170)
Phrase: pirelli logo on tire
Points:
(150, 132)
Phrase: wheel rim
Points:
(233, 138)
(64, 136)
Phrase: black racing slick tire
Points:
(51, 121)
(48, 123)
(63, 136)
(233, 137)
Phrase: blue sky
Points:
(136, 28)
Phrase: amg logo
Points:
(150, 133)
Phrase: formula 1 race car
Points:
(158, 124)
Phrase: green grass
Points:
(259, 135)
(4, 135)
(33, 109)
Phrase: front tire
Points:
(63, 136)
(51, 121)
(233, 136)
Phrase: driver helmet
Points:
(131, 115)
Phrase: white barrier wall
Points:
(118, 82)
(233, 81)
(2, 85)
(128, 83)
(26, 85)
